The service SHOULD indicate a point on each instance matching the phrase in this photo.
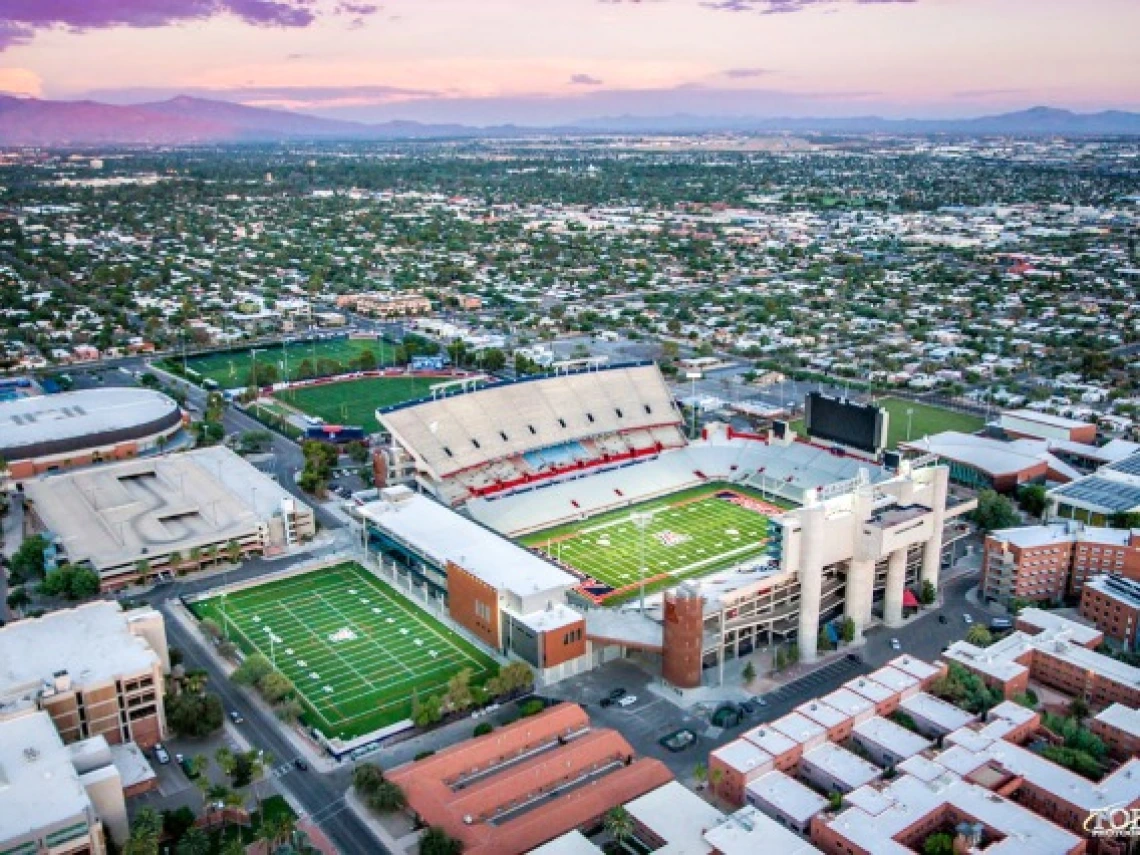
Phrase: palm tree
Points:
(233, 551)
(193, 842)
(716, 776)
(196, 556)
(233, 845)
(701, 774)
(619, 824)
(142, 568)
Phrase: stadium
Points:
(567, 520)
(48, 433)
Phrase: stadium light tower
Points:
(909, 413)
(693, 377)
(642, 521)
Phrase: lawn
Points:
(330, 356)
(925, 420)
(354, 402)
(690, 534)
(356, 650)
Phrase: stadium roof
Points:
(443, 535)
(991, 456)
(71, 421)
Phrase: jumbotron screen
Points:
(859, 426)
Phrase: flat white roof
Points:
(68, 415)
(676, 815)
(748, 832)
(844, 766)
(799, 728)
(556, 616)
(894, 679)
(991, 456)
(943, 716)
(868, 688)
(742, 755)
(1078, 633)
(915, 667)
(771, 740)
(788, 796)
(821, 713)
(570, 843)
(1011, 711)
(443, 535)
(985, 660)
(847, 702)
(893, 737)
(1122, 718)
(39, 786)
(92, 642)
(1043, 418)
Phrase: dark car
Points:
(942, 619)
(301, 765)
(617, 693)
(605, 702)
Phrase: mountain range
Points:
(185, 120)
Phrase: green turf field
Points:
(353, 647)
(925, 420)
(231, 369)
(691, 533)
(354, 402)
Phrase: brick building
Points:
(95, 669)
(527, 783)
(1050, 562)
(1113, 604)
(1118, 727)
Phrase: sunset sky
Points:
(547, 61)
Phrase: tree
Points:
(1126, 519)
(142, 569)
(939, 843)
(289, 710)
(210, 628)
(494, 359)
(250, 672)
(194, 842)
(176, 823)
(619, 824)
(275, 687)
(27, 562)
(428, 712)
(367, 777)
(386, 798)
(436, 841)
(835, 801)
(194, 715)
(233, 551)
(749, 672)
(1032, 499)
(979, 636)
(18, 598)
(700, 774)
(145, 831)
(927, 593)
(71, 582)
(458, 696)
(1078, 709)
(823, 640)
(994, 512)
(847, 632)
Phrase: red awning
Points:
(910, 601)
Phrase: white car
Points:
(627, 700)
(969, 620)
(895, 644)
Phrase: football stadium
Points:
(741, 540)
(356, 651)
(354, 401)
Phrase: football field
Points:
(355, 649)
(687, 534)
(330, 356)
(354, 402)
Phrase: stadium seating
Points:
(463, 432)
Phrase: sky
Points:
(542, 62)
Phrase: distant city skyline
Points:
(556, 61)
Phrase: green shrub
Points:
(483, 728)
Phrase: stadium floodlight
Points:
(909, 413)
(641, 519)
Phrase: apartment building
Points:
(1118, 727)
(1113, 604)
(96, 670)
(1050, 562)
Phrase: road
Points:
(321, 796)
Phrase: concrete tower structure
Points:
(683, 633)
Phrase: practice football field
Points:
(355, 649)
(691, 533)
(354, 402)
(231, 369)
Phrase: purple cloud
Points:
(19, 19)
(746, 73)
(584, 80)
(783, 7)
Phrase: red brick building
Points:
(1113, 604)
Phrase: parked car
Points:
(236, 717)
(160, 754)
(301, 764)
(895, 644)
(942, 619)
(627, 700)
(616, 694)
(605, 702)
(969, 620)
(759, 701)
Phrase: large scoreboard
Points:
(859, 426)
